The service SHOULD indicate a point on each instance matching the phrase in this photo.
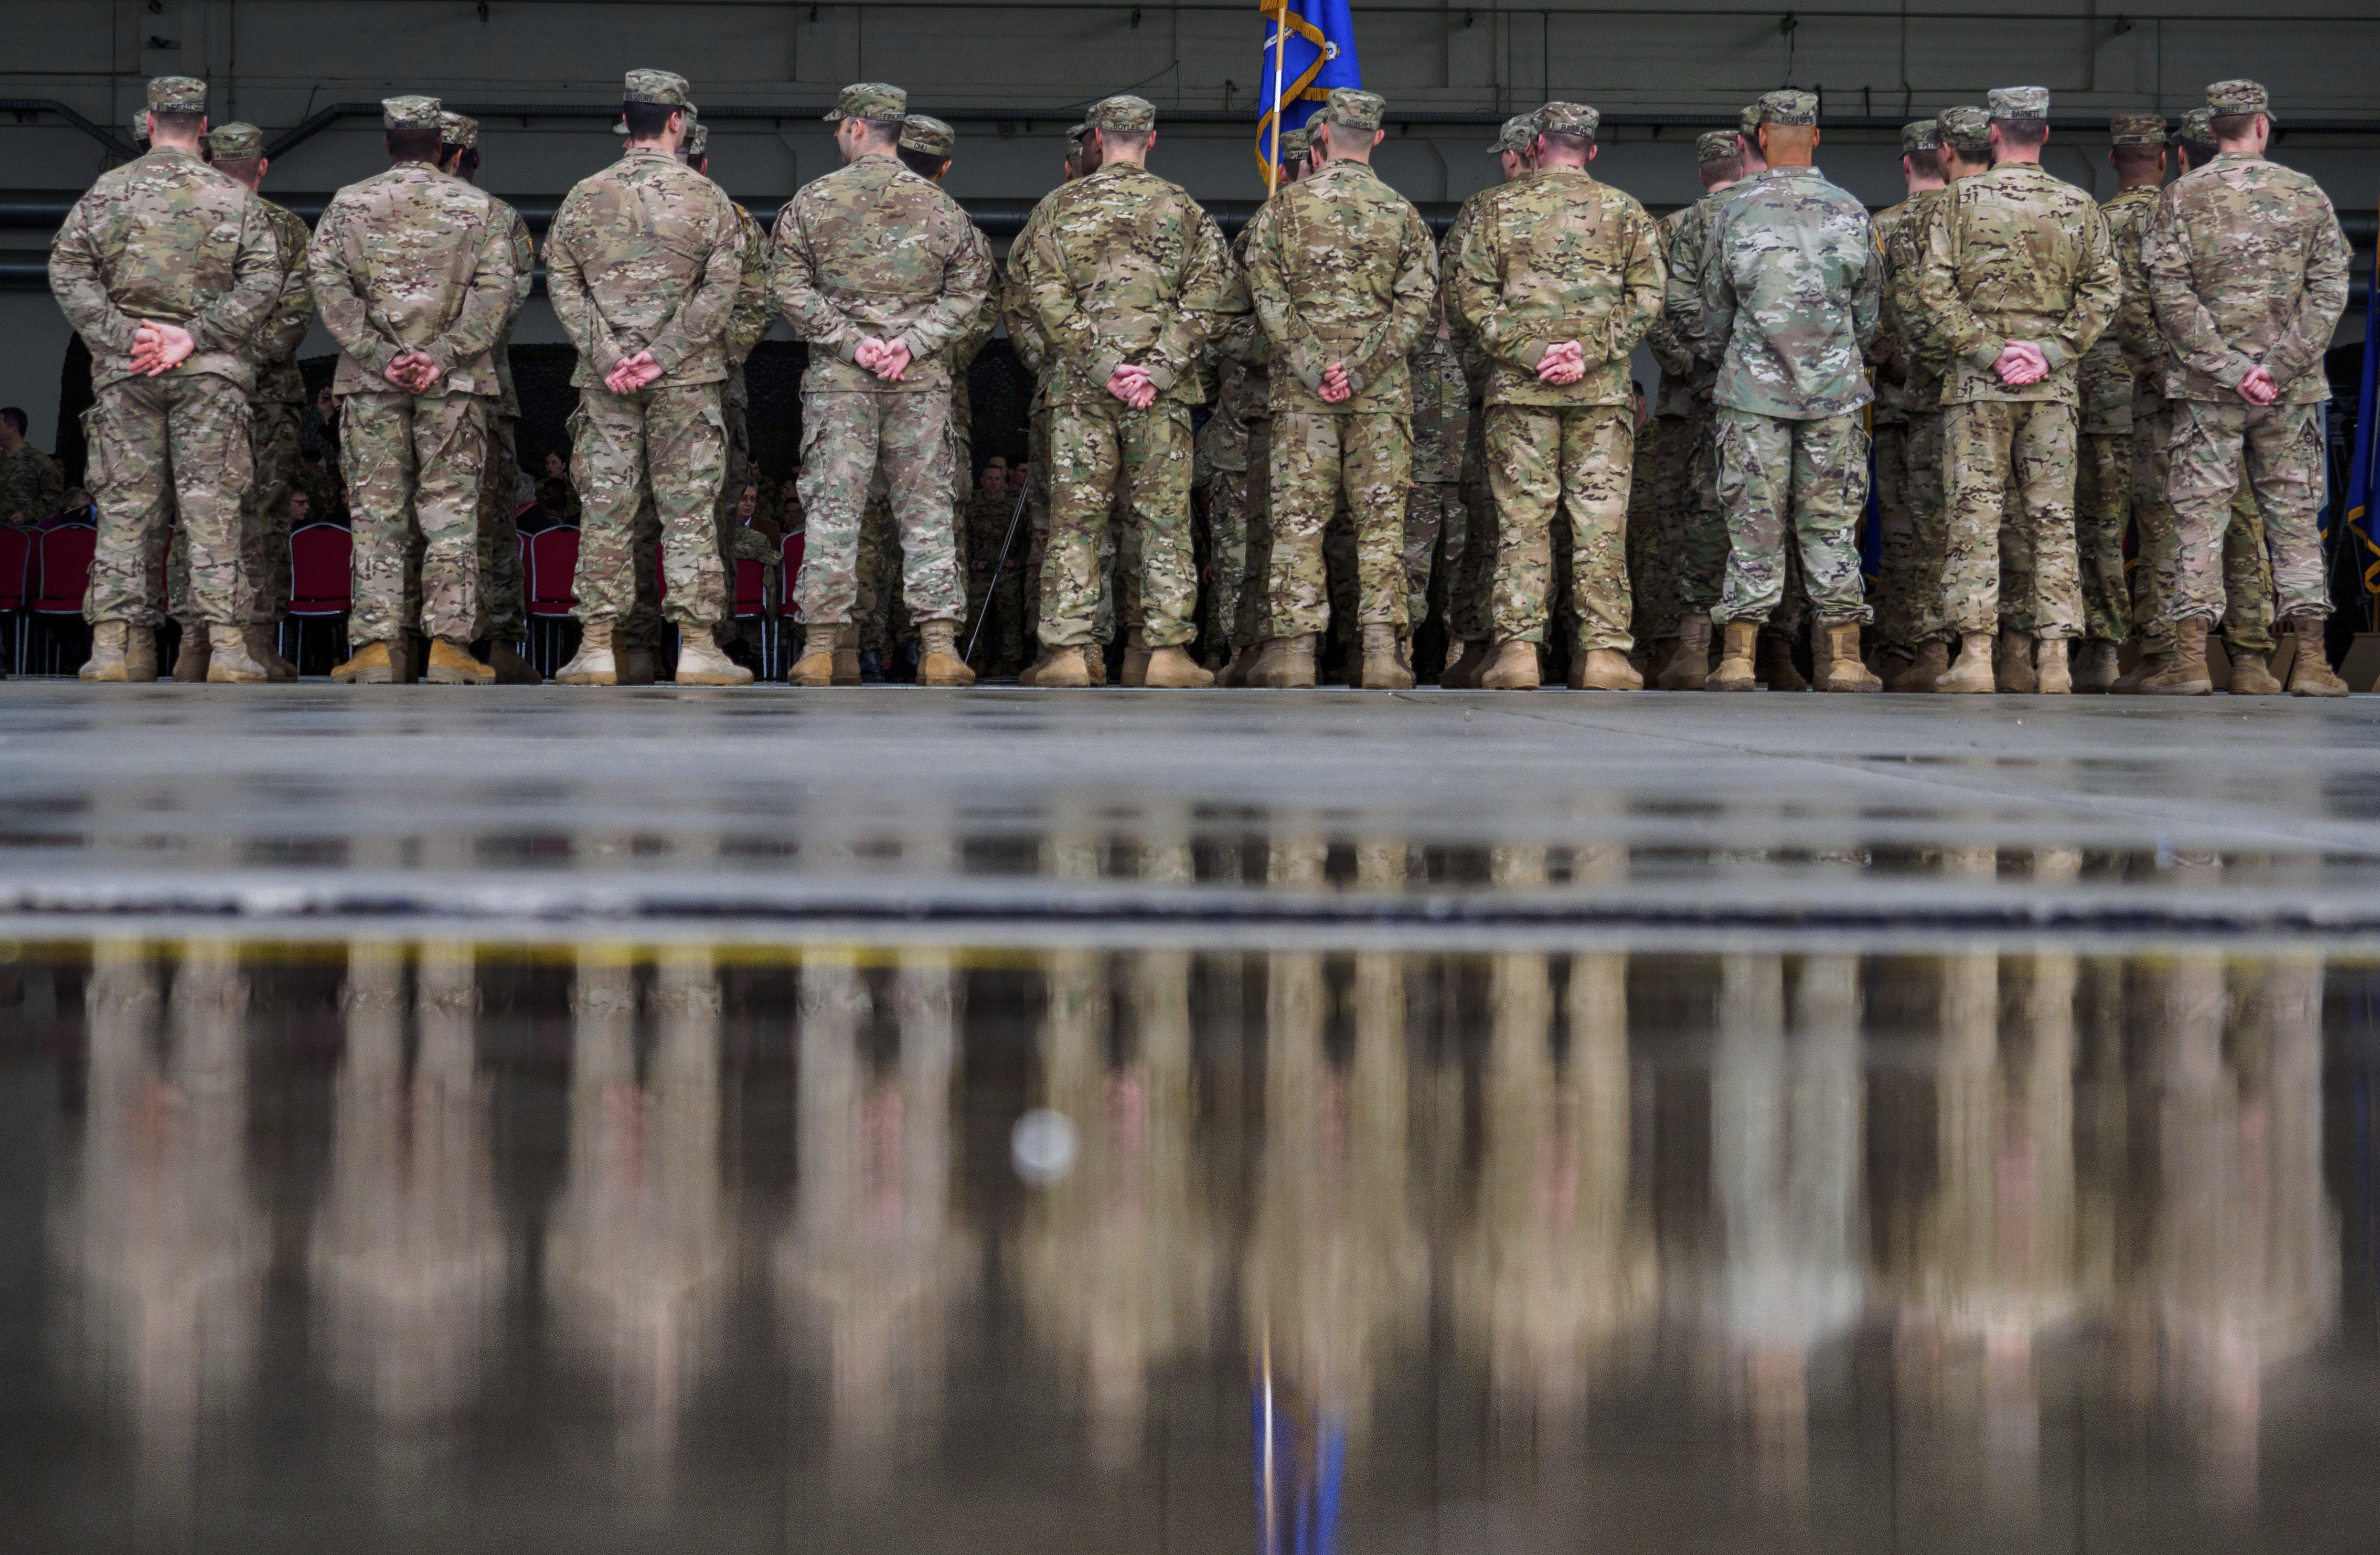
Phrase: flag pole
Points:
(1280, 49)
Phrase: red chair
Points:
(60, 576)
(16, 574)
(321, 586)
(753, 603)
(549, 589)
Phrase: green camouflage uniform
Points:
(1793, 287)
(1471, 606)
(1652, 587)
(648, 255)
(1906, 574)
(1123, 267)
(1033, 349)
(1219, 469)
(2013, 254)
(755, 310)
(1247, 350)
(2112, 372)
(1915, 593)
(167, 237)
(1341, 269)
(411, 260)
(1552, 257)
(503, 611)
(1435, 523)
(2247, 267)
(274, 407)
(31, 487)
(1679, 403)
(874, 250)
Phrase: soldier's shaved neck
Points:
(184, 132)
(1116, 145)
(1957, 165)
(1788, 145)
(858, 138)
(412, 143)
(1719, 172)
(1339, 143)
(2242, 134)
(1564, 150)
(245, 171)
(2018, 139)
(1922, 170)
(2138, 167)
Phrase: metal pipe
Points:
(51, 105)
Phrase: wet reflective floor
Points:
(404, 1243)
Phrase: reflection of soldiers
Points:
(170, 1246)
(639, 1251)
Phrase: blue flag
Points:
(2363, 470)
(1320, 53)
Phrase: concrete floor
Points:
(549, 805)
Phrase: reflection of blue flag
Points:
(1321, 55)
(2363, 473)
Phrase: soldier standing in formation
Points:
(31, 483)
(1907, 459)
(644, 265)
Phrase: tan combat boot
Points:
(594, 664)
(2156, 653)
(938, 663)
(2012, 663)
(372, 664)
(2311, 675)
(1095, 661)
(1515, 668)
(1173, 669)
(1657, 656)
(191, 661)
(2252, 674)
(1842, 669)
(111, 654)
(2095, 668)
(1286, 665)
(1689, 667)
(2186, 675)
(2052, 676)
(636, 661)
(816, 666)
(1740, 640)
(700, 662)
(1933, 662)
(1065, 667)
(510, 667)
(847, 657)
(1774, 659)
(1385, 668)
(227, 659)
(451, 665)
(1470, 661)
(1604, 669)
(1892, 664)
(261, 648)
(1135, 660)
(1971, 674)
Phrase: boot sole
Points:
(2187, 688)
(454, 677)
(2339, 690)
(713, 680)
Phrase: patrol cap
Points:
(1131, 116)
(141, 127)
(661, 88)
(177, 94)
(457, 130)
(1567, 118)
(2223, 99)
(1518, 131)
(1713, 144)
(920, 132)
(2019, 103)
(234, 142)
(1966, 131)
(2136, 129)
(408, 112)
(1295, 143)
(872, 101)
(2195, 129)
(1074, 136)
(1747, 123)
(1787, 107)
(1356, 110)
(1920, 135)
(696, 143)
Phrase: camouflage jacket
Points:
(1675, 357)
(167, 239)
(1689, 263)
(873, 249)
(1017, 310)
(1552, 257)
(411, 260)
(645, 256)
(1441, 409)
(2248, 268)
(1467, 350)
(524, 255)
(1125, 267)
(1887, 353)
(1920, 353)
(1243, 341)
(2017, 254)
(31, 487)
(278, 381)
(1793, 286)
(1223, 443)
(756, 306)
(1342, 268)
(2128, 354)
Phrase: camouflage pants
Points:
(1541, 458)
(1987, 446)
(1912, 581)
(503, 615)
(1110, 464)
(2103, 507)
(1901, 577)
(1252, 615)
(1653, 611)
(1792, 488)
(875, 603)
(1701, 542)
(2247, 574)
(844, 437)
(1316, 459)
(1434, 532)
(160, 445)
(412, 464)
(1036, 512)
(998, 590)
(733, 409)
(1227, 548)
(265, 512)
(1471, 608)
(2280, 448)
(668, 446)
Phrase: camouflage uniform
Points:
(1793, 287)
(1552, 256)
(1700, 544)
(1341, 269)
(872, 249)
(1681, 413)
(1123, 267)
(1220, 468)
(1905, 576)
(1652, 587)
(2248, 268)
(647, 256)
(2112, 372)
(2013, 254)
(1916, 591)
(168, 239)
(1434, 513)
(411, 260)
(1033, 349)
(504, 615)
(29, 485)
(1247, 350)
(1470, 603)
(754, 311)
